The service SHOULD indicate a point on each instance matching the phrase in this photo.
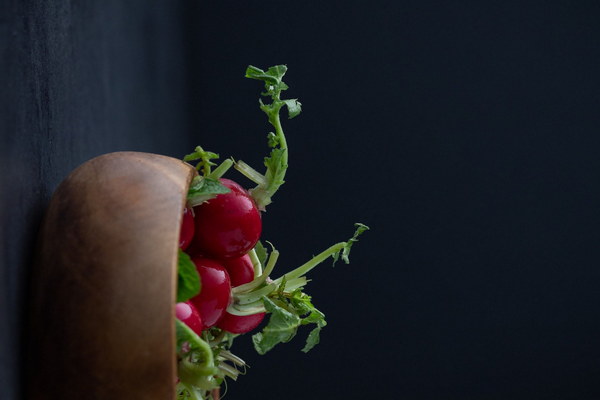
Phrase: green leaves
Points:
(206, 186)
(314, 337)
(277, 161)
(290, 308)
(204, 159)
(203, 189)
(273, 75)
(188, 280)
(274, 85)
(272, 78)
(282, 328)
(276, 168)
(302, 303)
(288, 313)
(345, 253)
(294, 107)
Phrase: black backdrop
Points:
(464, 133)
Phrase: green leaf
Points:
(287, 313)
(276, 165)
(203, 189)
(200, 154)
(360, 228)
(204, 158)
(344, 252)
(188, 279)
(302, 303)
(273, 140)
(282, 327)
(294, 107)
(271, 76)
(314, 337)
(253, 72)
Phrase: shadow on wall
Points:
(82, 80)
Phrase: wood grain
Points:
(102, 315)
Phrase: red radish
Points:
(229, 225)
(240, 324)
(240, 271)
(215, 294)
(187, 228)
(188, 314)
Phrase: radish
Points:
(187, 228)
(240, 271)
(228, 277)
(229, 225)
(240, 324)
(187, 313)
(215, 294)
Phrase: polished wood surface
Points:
(103, 288)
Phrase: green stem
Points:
(251, 303)
(205, 161)
(247, 287)
(218, 339)
(276, 122)
(250, 173)
(263, 193)
(255, 263)
(229, 356)
(248, 309)
(201, 370)
(313, 262)
(295, 283)
(228, 370)
(221, 169)
(194, 395)
(255, 295)
(196, 375)
(206, 350)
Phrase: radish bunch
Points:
(224, 273)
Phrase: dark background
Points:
(466, 134)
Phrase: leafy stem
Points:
(245, 296)
(221, 169)
(206, 186)
(277, 162)
(204, 159)
(196, 365)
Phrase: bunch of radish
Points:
(224, 273)
(221, 232)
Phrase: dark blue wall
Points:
(76, 80)
(467, 135)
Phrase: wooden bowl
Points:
(104, 283)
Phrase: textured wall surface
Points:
(77, 79)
